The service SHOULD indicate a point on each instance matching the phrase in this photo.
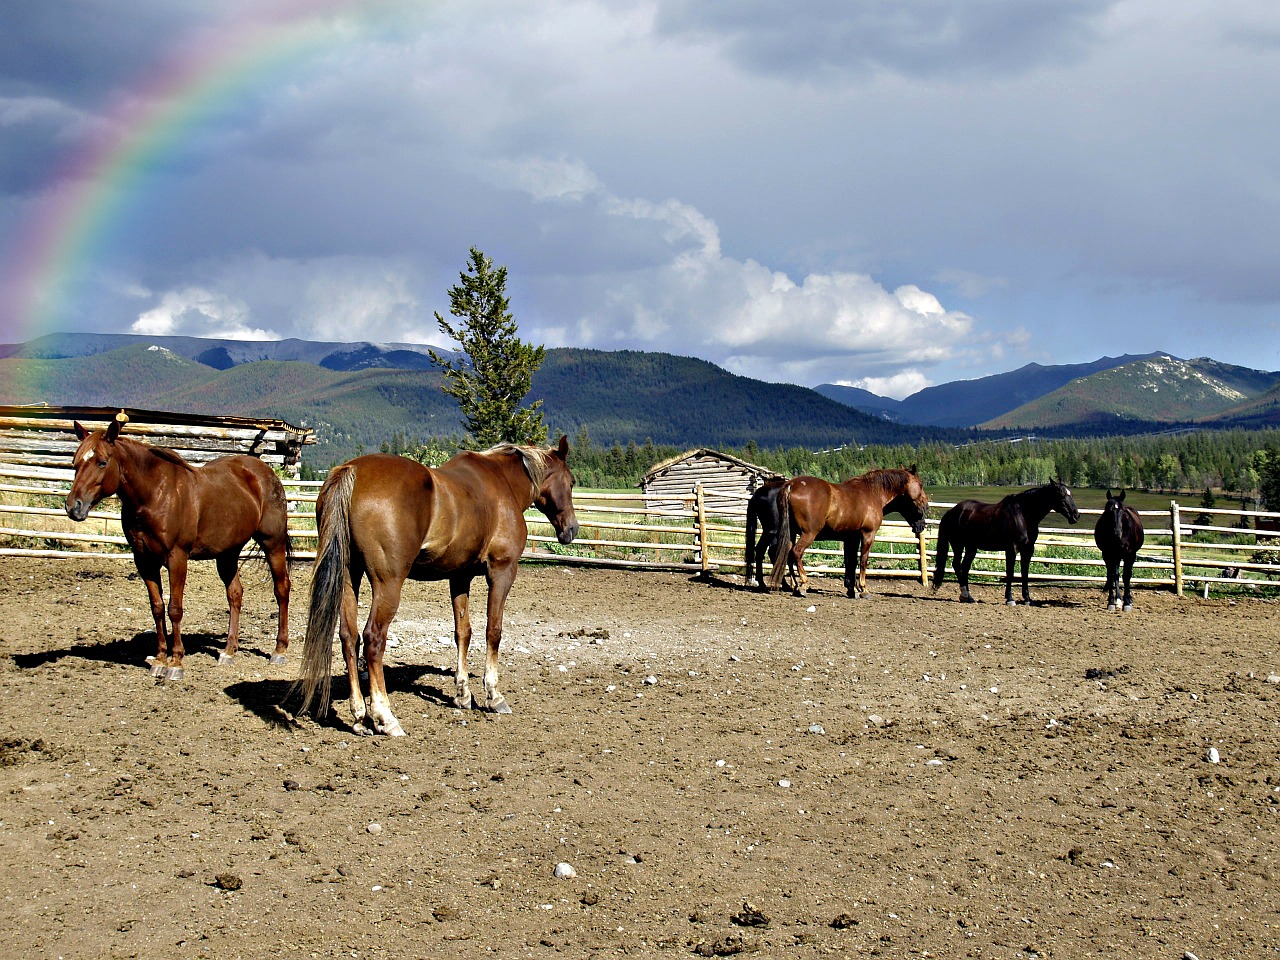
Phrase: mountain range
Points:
(361, 395)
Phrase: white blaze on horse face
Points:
(88, 455)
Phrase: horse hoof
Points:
(277, 658)
(462, 703)
(1128, 608)
(1011, 603)
(157, 668)
(499, 706)
(173, 673)
(225, 658)
(967, 599)
(1112, 608)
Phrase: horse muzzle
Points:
(568, 533)
(77, 509)
(917, 526)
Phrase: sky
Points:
(883, 193)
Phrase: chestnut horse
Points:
(851, 511)
(1119, 535)
(173, 512)
(1012, 525)
(390, 519)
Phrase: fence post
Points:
(924, 557)
(701, 507)
(1176, 526)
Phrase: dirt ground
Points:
(725, 772)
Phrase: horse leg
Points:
(1113, 578)
(278, 561)
(149, 570)
(867, 540)
(229, 570)
(796, 556)
(962, 564)
(1128, 575)
(348, 633)
(850, 569)
(382, 608)
(500, 579)
(460, 594)
(177, 587)
(1026, 573)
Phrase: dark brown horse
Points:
(851, 511)
(1012, 525)
(173, 512)
(762, 513)
(1119, 535)
(389, 518)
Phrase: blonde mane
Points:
(536, 460)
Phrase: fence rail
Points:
(626, 530)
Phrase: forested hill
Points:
(618, 397)
(628, 395)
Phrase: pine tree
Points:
(498, 367)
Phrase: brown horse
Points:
(390, 519)
(173, 512)
(851, 512)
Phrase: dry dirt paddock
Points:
(726, 772)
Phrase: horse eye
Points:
(102, 463)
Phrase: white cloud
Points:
(197, 312)
(755, 320)
(897, 386)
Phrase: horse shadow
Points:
(128, 651)
(275, 702)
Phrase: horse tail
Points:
(333, 557)
(783, 537)
(940, 571)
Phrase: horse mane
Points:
(172, 456)
(885, 478)
(536, 460)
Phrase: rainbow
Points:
(89, 196)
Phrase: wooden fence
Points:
(626, 530)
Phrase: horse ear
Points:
(1120, 496)
(914, 469)
(563, 448)
(113, 431)
(81, 432)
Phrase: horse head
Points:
(1066, 504)
(1113, 512)
(97, 468)
(911, 500)
(555, 493)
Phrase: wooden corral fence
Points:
(44, 436)
(630, 530)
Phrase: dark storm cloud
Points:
(913, 37)
(76, 50)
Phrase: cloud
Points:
(910, 37)
(197, 312)
(898, 385)
(753, 319)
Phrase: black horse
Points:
(762, 509)
(1118, 534)
(1012, 525)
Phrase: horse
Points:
(173, 512)
(850, 511)
(762, 511)
(391, 519)
(1012, 525)
(1119, 535)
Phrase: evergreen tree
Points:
(498, 367)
